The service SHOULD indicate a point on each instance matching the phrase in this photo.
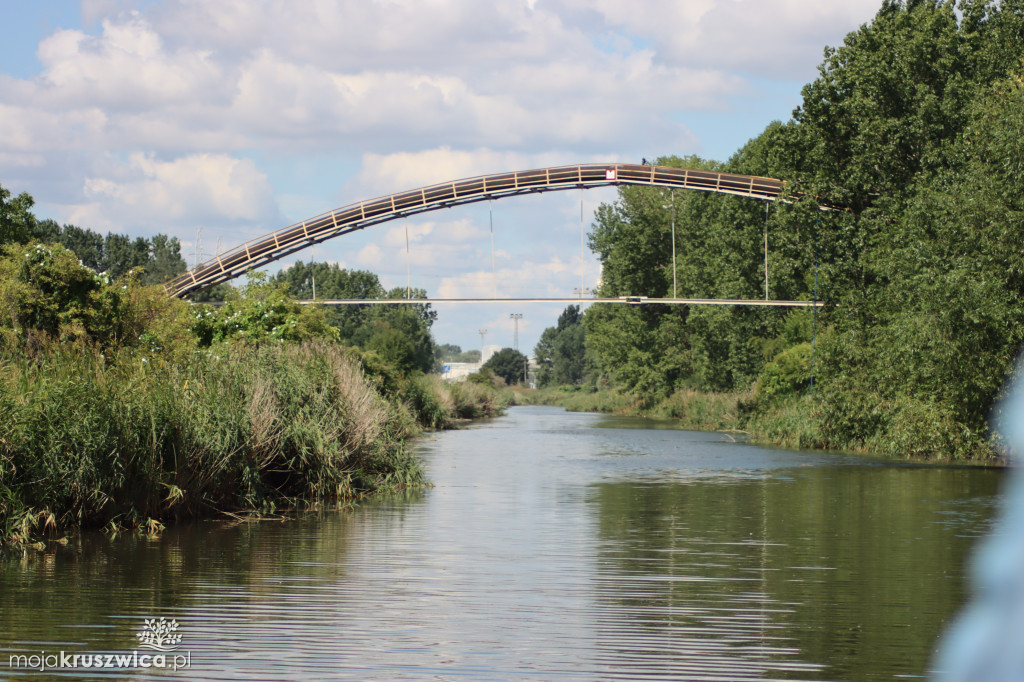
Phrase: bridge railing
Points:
(276, 245)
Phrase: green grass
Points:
(919, 432)
(580, 399)
(703, 411)
(692, 409)
(793, 423)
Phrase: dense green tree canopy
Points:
(913, 130)
(157, 259)
(561, 351)
(399, 333)
(17, 223)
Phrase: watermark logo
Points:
(161, 636)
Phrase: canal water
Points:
(551, 546)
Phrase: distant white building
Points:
(488, 353)
(458, 371)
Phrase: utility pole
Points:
(516, 317)
(766, 205)
(672, 206)
(581, 242)
(482, 333)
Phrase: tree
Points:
(386, 325)
(121, 253)
(46, 289)
(89, 246)
(508, 364)
(261, 312)
(17, 223)
(396, 348)
(911, 125)
(654, 350)
(949, 314)
(159, 257)
(912, 130)
(165, 261)
(334, 282)
(449, 352)
(561, 351)
(376, 327)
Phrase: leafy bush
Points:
(261, 313)
(787, 374)
(430, 401)
(45, 292)
(473, 400)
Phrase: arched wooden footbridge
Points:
(259, 252)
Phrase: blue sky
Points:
(224, 120)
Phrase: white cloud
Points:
(126, 68)
(211, 189)
(370, 256)
(377, 35)
(387, 173)
(157, 84)
(433, 246)
(22, 160)
(782, 39)
(552, 279)
(40, 130)
(416, 233)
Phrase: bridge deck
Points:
(276, 245)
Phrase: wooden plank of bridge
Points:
(766, 188)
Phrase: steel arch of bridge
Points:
(276, 245)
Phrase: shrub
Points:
(788, 374)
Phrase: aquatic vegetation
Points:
(98, 438)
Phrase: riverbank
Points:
(130, 440)
(792, 422)
(693, 410)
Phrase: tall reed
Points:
(91, 438)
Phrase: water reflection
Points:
(855, 568)
(548, 548)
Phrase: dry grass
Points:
(265, 427)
